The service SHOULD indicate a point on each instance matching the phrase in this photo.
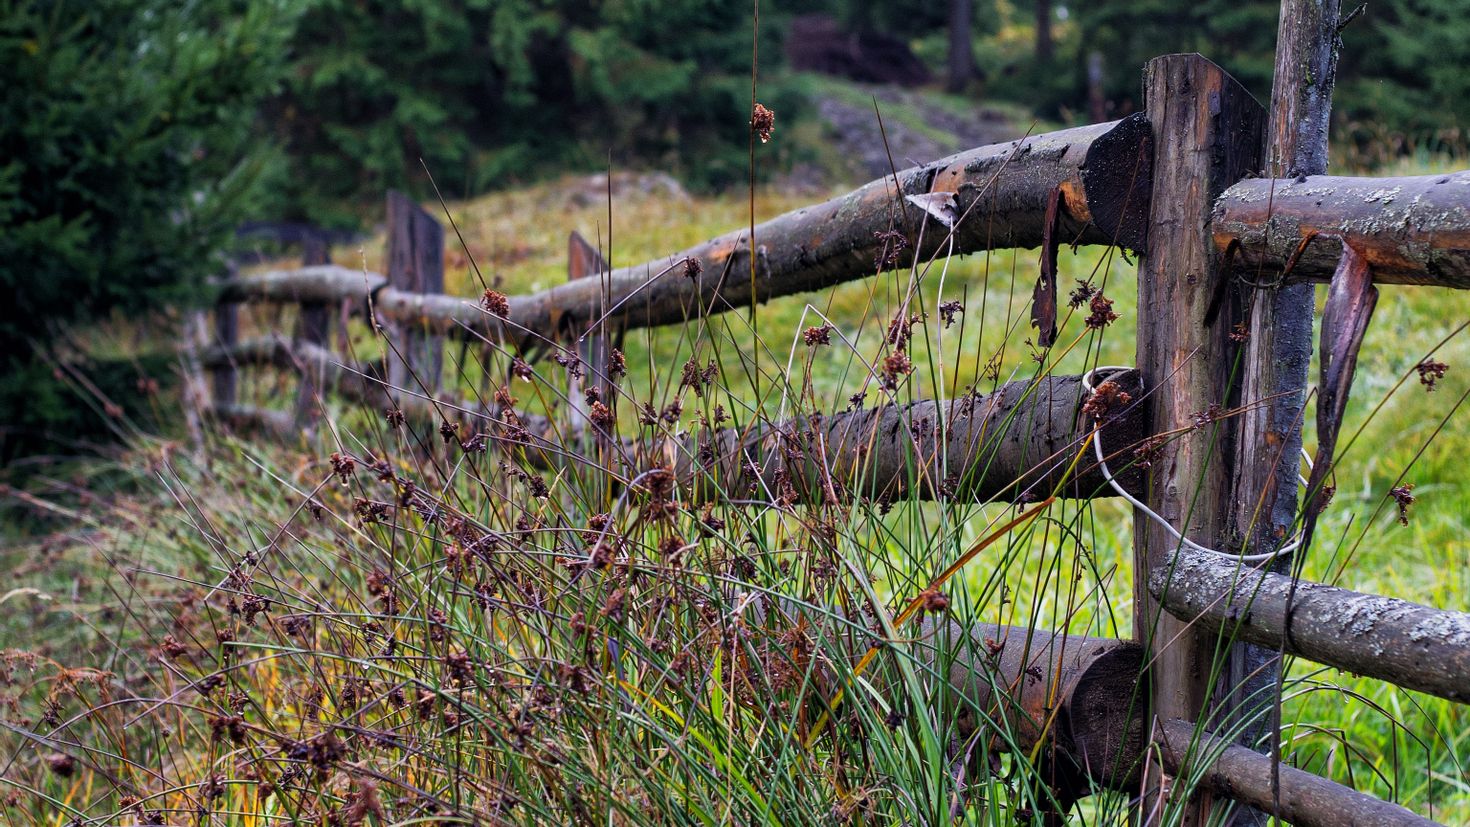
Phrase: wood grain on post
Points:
(1207, 135)
(1306, 800)
(416, 266)
(1001, 190)
(1278, 355)
(1410, 230)
(313, 328)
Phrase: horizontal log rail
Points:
(1410, 230)
(321, 284)
(1000, 192)
(1015, 444)
(1413, 646)
(1244, 775)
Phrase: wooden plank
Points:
(415, 265)
(1410, 230)
(1305, 800)
(1207, 135)
(1414, 646)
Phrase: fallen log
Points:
(1016, 444)
(1000, 192)
(1243, 775)
(1410, 230)
(1414, 646)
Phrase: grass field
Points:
(244, 631)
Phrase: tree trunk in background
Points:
(1043, 31)
(961, 52)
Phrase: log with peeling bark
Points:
(1305, 800)
(1018, 443)
(1414, 646)
(1001, 192)
(1410, 230)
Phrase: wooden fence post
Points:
(1278, 354)
(313, 328)
(225, 375)
(415, 265)
(1207, 135)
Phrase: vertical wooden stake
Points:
(1279, 354)
(313, 328)
(415, 265)
(226, 333)
(1207, 135)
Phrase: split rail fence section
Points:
(1222, 252)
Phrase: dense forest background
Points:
(136, 135)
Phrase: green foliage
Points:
(124, 134)
(487, 92)
(1404, 72)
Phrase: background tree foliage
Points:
(490, 92)
(126, 158)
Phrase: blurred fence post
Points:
(415, 265)
(313, 327)
(226, 333)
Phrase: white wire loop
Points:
(1266, 557)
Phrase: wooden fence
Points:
(1227, 205)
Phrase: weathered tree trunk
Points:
(961, 63)
(1207, 132)
(1076, 697)
(1414, 646)
(1001, 190)
(1410, 230)
(326, 283)
(1278, 355)
(1306, 800)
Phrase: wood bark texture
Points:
(1001, 193)
(1414, 646)
(1278, 355)
(1207, 135)
(1306, 800)
(1410, 230)
(1015, 444)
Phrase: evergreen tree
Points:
(125, 162)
